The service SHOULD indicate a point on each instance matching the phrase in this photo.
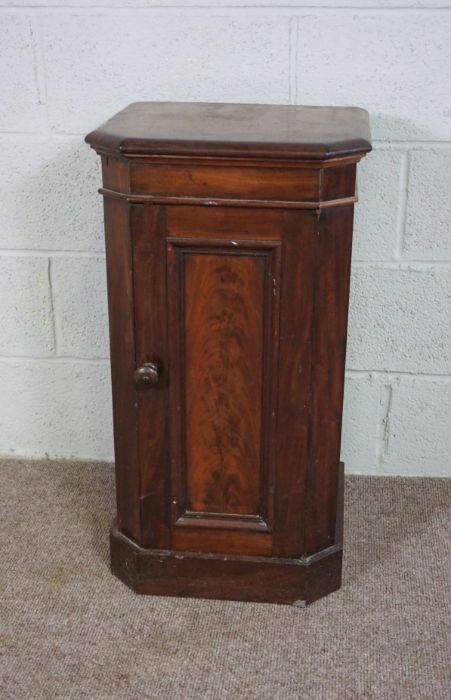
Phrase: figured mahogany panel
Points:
(223, 316)
(223, 328)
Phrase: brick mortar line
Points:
(396, 375)
(60, 360)
(350, 373)
(45, 253)
(384, 412)
(42, 74)
(296, 30)
(269, 8)
(53, 312)
(403, 265)
(401, 219)
(291, 62)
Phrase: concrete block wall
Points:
(67, 66)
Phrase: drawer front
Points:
(226, 182)
(254, 186)
(222, 432)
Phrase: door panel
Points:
(215, 314)
(223, 311)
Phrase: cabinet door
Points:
(222, 307)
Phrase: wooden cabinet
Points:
(228, 244)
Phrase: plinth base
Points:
(225, 577)
(230, 577)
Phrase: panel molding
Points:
(269, 251)
(220, 201)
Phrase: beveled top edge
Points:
(234, 130)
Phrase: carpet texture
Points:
(70, 630)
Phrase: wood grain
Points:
(208, 181)
(240, 130)
(223, 340)
(121, 309)
(330, 316)
(228, 239)
(294, 393)
(224, 319)
(152, 428)
(212, 223)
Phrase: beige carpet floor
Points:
(70, 630)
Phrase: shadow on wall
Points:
(387, 127)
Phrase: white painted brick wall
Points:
(200, 57)
(26, 317)
(397, 320)
(396, 64)
(428, 225)
(376, 219)
(46, 190)
(66, 65)
(417, 402)
(56, 407)
(18, 75)
(80, 304)
(362, 420)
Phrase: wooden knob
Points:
(147, 375)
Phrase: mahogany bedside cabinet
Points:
(228, 247)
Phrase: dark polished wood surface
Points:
(200, 128)
(228, 235)
(223, 380)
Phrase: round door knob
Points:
(147, 375)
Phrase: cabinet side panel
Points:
(151, 346)
(338, 182)
(299, 242)
(331, 297)
(122, 350)
(115, 174)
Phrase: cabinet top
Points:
(235, 130)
